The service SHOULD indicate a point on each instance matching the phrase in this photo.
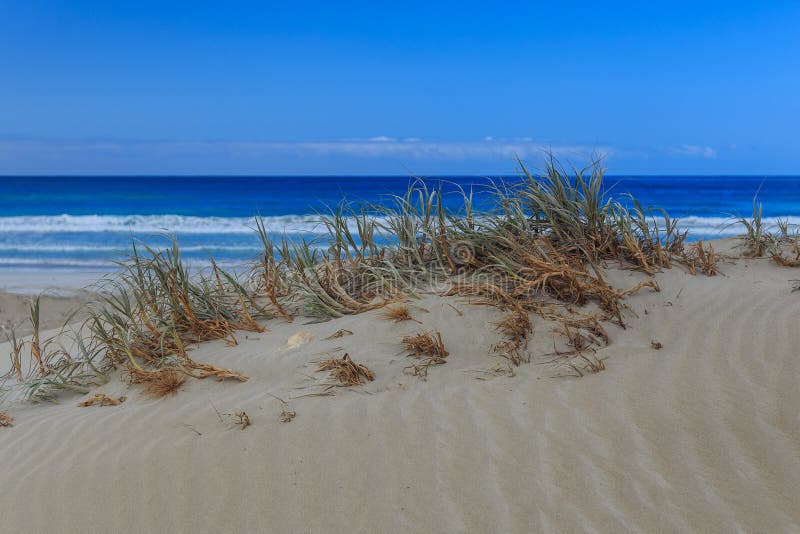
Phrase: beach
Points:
(62, 297)
(383, 267)
(692, 426)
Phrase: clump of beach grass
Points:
(583, 364)
(15, 354)
(702, 258)
(540, 249)
(426, 347)
(241, 419)
(345, 372)
(784, 241)
(398, 313)
(756, 237)
(52, 368)
(515, 327)
(162, 382)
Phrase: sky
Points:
(99, 87)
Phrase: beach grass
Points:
(345, 372)
(541, 249)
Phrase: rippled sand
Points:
(702, 435)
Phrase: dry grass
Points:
(204, 370)
(580, 358)
(701, 258)
(346, 372)
(428, 348)
(241, 419)
(398, 313)
(101, 399)
(158, 383)
(15, 354)
(340, 333)
(707, 259)
(286, 415)
(780, 259)
(425, 344)
(584, 364)
(539, 251)
(6, 420)
(516, 327)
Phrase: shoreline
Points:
(54, 283)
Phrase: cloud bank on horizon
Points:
(379, 154)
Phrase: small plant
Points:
(346, 372)
(36, 350)
(707, 259)
(584, 364)
(778, 254)
(428, 348)
(756, 237)
(15, 354)
(398, 313)
(516, 327)
(159, 383)
(241, 419)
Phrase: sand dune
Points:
(701, 435)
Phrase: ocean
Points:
(84, 223)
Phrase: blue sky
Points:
(401, 88)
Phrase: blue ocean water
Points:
(85, 222)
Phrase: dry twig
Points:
(101, 399)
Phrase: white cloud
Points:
(696, 151)
(411, 148)
(376, 147)
(420, 149)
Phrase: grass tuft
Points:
(346, 372)
(515, 327)
(398, 313)
(540, 250)
(428, 348)
(164, 383)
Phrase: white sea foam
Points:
(98, 263)
(727, 226)
(126, 248)
(182, 224)
(292, 224)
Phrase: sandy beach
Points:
(399, 267)
(699, 435)
(61, 297)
